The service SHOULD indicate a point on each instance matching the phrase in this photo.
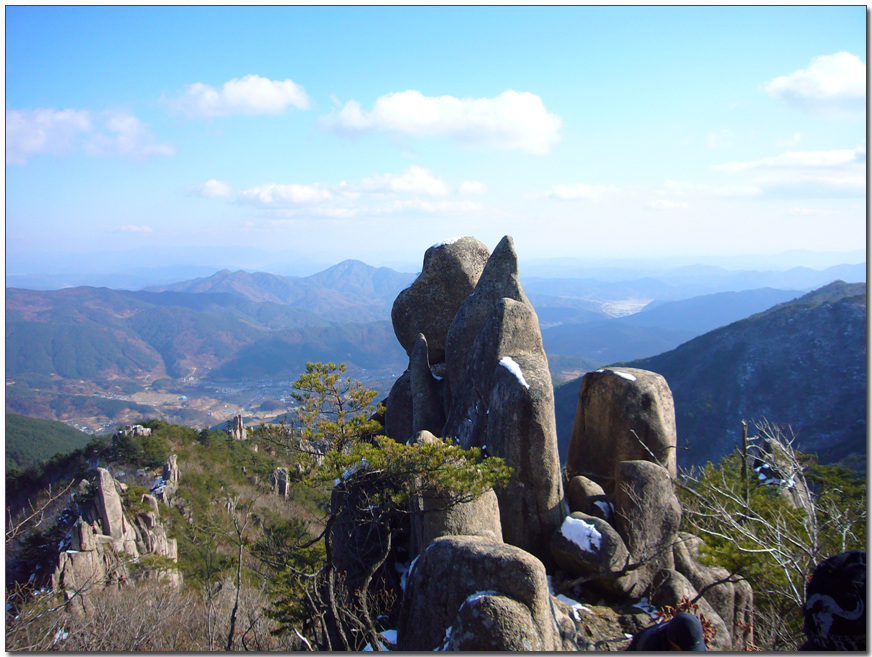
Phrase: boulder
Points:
(108, 504)
(492, 623)
(448, 276)
(521, 429)
(587, 496)
(433, 515)
(623, 414)
(278, 480)
(398, 409)
(454, 568)
(733, 600)
(648, 515)
(82, 537)
(498, 280)
(669, 588)
(505, 402)
(589, 546)
(428, 412)
(171, 477)
(237, 429)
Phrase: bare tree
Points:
(766, 521)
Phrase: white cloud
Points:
(666, 205)
(411, 190)
(136, 229)
(808, 212)
(414, 180)
(42, 131)
(789, 142)
(737, 191)
(719, 139)
(249, 95)
(574, 192)
(832, 85)
(801, 159)
(433, 207)
(472, 187)
(272, 194)
(803, 174)
(213, 189)
(124, 134)
(513, 120)
(58, 132)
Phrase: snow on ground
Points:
(583, 534)
(515, 369)
(575, 604)
(446, 242)
(478, 594)
(623, 375)
(647, 608)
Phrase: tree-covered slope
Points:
(29, 440)
(801, 363)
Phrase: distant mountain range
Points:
(801, 363)
(234, 325)
(658, 327)
(349, 291)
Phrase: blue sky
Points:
(372, 133)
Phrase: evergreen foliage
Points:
(29, 440)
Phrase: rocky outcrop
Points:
(428, 409)
(623, 414)
(398, 409)
(669, 588)
(587, 546)
(499, 280)
(113, 520)
(278, 480)
(448, 276)
(648, 515)
(731, 597)
(169, 482)
(133, 430)
(505, 401)
(237, 428)
(458, 577)
(434, 515)
(587, 496)
(481, 377)
(103, 539)
(484, 382)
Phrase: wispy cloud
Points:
(789, 142)
(575, 191)
(722, 138)
(213, 189)
(135, 229)
(60, 132)
(414, 180)
(472, 187)
(513, 120)
(832, 85)
(411, 190)
(833, 173)
(665, 205)
(251, 94)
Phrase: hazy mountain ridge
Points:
(802, 363)
(348, 291)
(658, 327)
